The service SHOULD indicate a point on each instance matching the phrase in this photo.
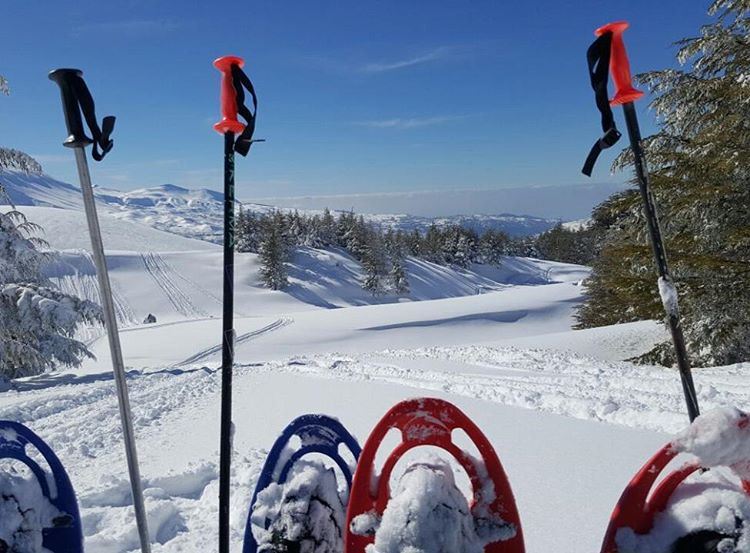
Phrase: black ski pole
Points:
(626, 95)
(232, 103)
(76, 98)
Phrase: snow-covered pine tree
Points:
(493, 244)
(37, 322)
(374, 263)
(4, 88)
(248, 231)
(327, 231)
(273, 252)
(700, 175)
(399, 282)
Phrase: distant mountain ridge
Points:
(198, 213)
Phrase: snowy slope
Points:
(67, 229)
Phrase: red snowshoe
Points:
(427, 505)
(643, 504)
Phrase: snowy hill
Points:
(198, 213)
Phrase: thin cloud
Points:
(409, 123)
(438, 54)
(133, 27)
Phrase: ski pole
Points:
(626, 95)
(76, 98)
(232, 103)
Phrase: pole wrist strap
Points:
(241, 83)
(598, 56)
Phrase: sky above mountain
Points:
(355, 97)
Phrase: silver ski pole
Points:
(75, 97)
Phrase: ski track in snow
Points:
(164, 276)
(241, 339)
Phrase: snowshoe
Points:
(47, 509)
(710, 513)
(426, 501)
(298, 506)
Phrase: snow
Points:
(668, 294)
(427, 513)
(570, 419)
(24, 513)
(308, 510)
(720, 437)
(66, 229)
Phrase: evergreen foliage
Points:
(700, 176)
(273, 252)
(37, 322)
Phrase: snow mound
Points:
(719, 438)
(709, 504)
(306, 513)
(24, 513)
(429, 514)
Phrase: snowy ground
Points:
(569, 418)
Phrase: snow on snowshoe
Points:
(299, 505)
(427, 513)
(36, 513)
(692, 509)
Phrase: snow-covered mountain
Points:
(198, 213)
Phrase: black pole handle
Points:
(65, 79)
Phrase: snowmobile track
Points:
(165, 276)
(241, 339)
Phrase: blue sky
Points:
(355, 97)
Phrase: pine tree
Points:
(37, 322)
(248, 232)
(493, 244)
(273, 253)
(327, 229)
(374, 263)
(700, 176)
(398, 280)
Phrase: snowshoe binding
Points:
(299, 505)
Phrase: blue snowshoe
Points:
(298, 504)
(63, 534)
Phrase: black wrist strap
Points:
(241, 83)
(597, 57)
(101, 135)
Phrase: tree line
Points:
(382, 251)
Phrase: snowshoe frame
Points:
(14, 439)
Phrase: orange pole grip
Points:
(619, 66)
(229, 122)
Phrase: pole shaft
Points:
(110, 320)
(660, 256)
(227, 346)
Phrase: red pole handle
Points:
(228, 121)
(619, 66)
